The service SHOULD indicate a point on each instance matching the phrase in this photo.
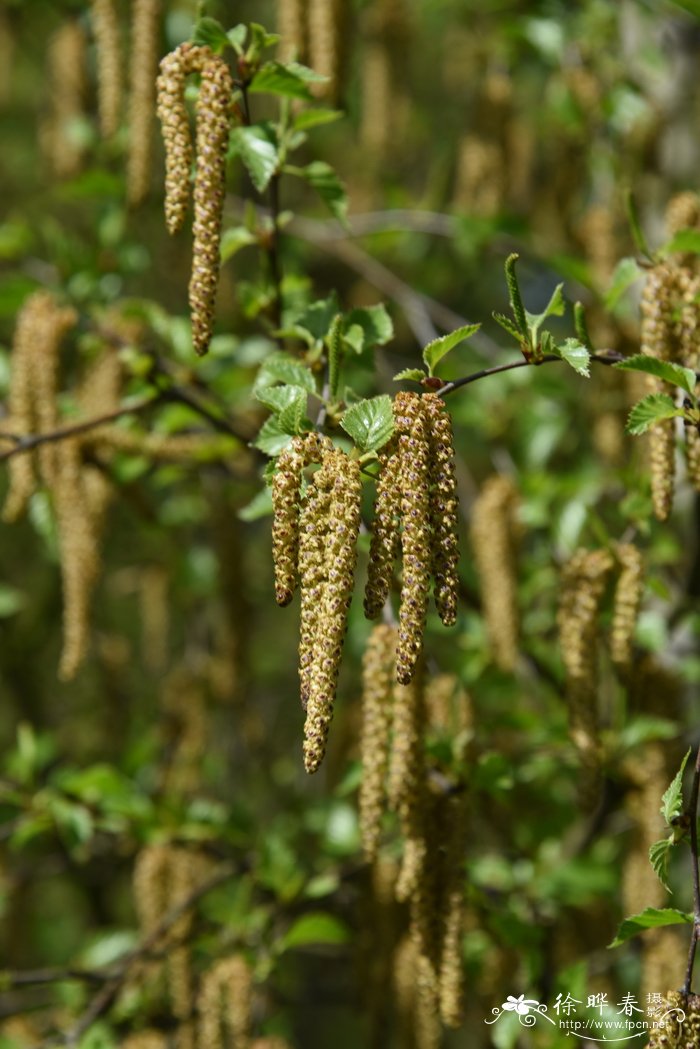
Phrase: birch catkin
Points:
(443, 508)
(225, 1005)
(385, 541)
(109, 65)
(627, 600)
(145, 24)
(493, 540)
(66, 69)
(313, 536)
(291, 26)
(377, 680)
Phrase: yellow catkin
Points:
(443, 508)
(479, 179)
(109, 65)
(150, 885)
(184, 705)
(323, 16)
(377, 98)
(453, 908)
(291, 26)
(658, 339)
(689, 338)
(583, 583)
(416, 545)
(145, 25)
(214, 113)
(66, 74)
(314, 523)
(681, 1027)
(597, 232)
(377, 680)
(384, 545)
(154, 608)
(286, 504)
(493, 540)
(627, 600)
(407, 782)
(341, 556)
(225, 1004)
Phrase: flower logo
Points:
(520, 1005)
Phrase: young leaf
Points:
(575, 353)
(272, 439)
(516, 301)
(651, 918)
(686, 241)
(672, 800)
(659, 856)
(237, 37)
(554, 308)
(626, 273)
(329, 188)
(580, 326)
(438, 348)
(259, 506)
(509, 326)
(210, 33)
(233, 240)
(307, 74)
(411, 373)
(257, 149)
(376, 324)
(292, 418)
(309, 118)
(651, 409)
(370, 422)
(275, 79)
(315, 928)
(277, 398)
(280, 367)
(674, 374)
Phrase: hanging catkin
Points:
(214, 113)
(145, 24)
(658, 340)
(385, 532)
(493, 539)
(377, 681)
(291, 26)
(628, 597)
(443, 508)
(314, 522)
(109, 65)
(453, 909)
(225, 1004)
(66, 76)
(341, 556)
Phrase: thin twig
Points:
(693, 816)
(608, 357)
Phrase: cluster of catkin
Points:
(396, 779)
(494, 535)
(314, 540)
(214, 115)
(313, 31)
(415, 514)
(67, 80)
(669, 331)
(584, 582)
(681, 1027)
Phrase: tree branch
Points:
(604, 357)
(693, 816)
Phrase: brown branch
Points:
(604, 357)
(693, 816)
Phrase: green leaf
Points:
(279, 398)
(233, 240)
(626, 273)
(237, 37)
(329, 188)
(686, 241)
(273, 78)
(292, 418)
(317, 927)
(659, 856)
(674, 374)
(410, 373)
(210, 33)
(370, 422)
(651, 918)
(651, 409)
(575, 354)
(335, 353)
(508, 325)
(439, 348)
(377, 326)
(309, 118)
(554, 308)
(305, 73)
(257, 148)
(318, 317)
(272, 439)
(672, 800)
(516, 301)
(280, 367)
(259, 506)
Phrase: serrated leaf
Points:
(272, 439)
(257, 148)
(651, 409)
(318, 317)
(509, 326)
(329, 188)
(672, 799)
(674, 374)
(277, 398)
(659, 856)
(651, 918)
(554, 308)
(686, 241)
(210, 33)
(280, 367)
(416, 374)
(626, 273)
(233, 240)
(438, 348)
(273, 78)
(370, 422)
(309, 118)
(576, 355)
(318, 927)
(377, 326)
(292, 418)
